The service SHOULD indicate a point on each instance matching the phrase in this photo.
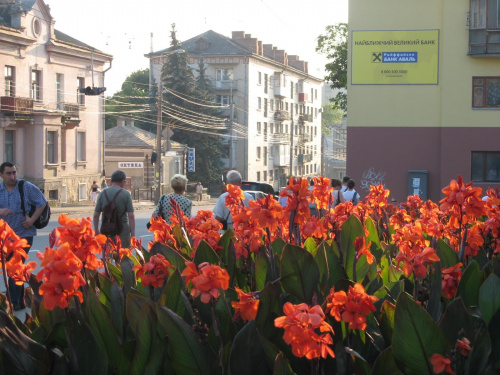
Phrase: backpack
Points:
(44, 217)
(111, 222)
(354, 198)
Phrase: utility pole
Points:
(158, 144)
(232, 153)
(291, 147)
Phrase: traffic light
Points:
(92, 90)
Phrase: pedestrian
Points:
(351, 194)
(94, 191)
(312, 206)
(344, 183)
(20, 222)
(164, 208)
(123, 204)
(337, 195)
(104, 184)
(221, 212)
(199, 191)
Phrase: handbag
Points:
(224, 223)
(44, 217)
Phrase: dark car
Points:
(258, 186)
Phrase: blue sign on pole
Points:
(191, 154)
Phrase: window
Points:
(8, 146)
(291, 90)
(312, 94)
(265, 175)
(258, 176)
(271, 177)
(271, 128)
(80, 146)
(80, 84)
(36, 84)
(265, 131)
(60, 91)
(259, 78)
(258, 153)
(259, 104)
(258, 128)
(315, 112)
(223, 100)
(265, 107)
(265, 158)
(486, 92)
(63, 146)
(10, 81)
(51, 147)
(265, 83)
(286, 106)
(315, 93)
(484, 27)
(224, 74)
(485, 166)
(83, 192)
(271, 105)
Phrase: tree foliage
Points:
(133, 96)
(187, 103)
(333, 43)
(330, 116)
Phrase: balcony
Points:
(303, 138)
(304, 158)
(484, 41)
(15, 106)
(281, 115)
(279, 138)
(226, 85)
(303, 97)
(305, 118)
(71, 117)
(281, 92)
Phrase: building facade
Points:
(424, 94)
(50, 130)
(272, 100)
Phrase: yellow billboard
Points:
(395, 57)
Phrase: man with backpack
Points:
(115, 204)
(16, 213)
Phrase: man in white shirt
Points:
(344, 183)
(221, 212)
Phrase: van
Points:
(258, 186)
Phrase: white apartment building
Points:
(53, 133)
(268, 91)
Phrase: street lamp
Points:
(159, 128)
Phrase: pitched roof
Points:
(129, 136)
(213, 43)
(68, 39)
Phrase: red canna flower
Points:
(450, 278)
(301, 324)
(417, 263)
(363, 248)
(207, 279)
(321, 193)
(441, 364)
(464, 346)
(153, 273)
(247, 307)
(352, 307)
(162, 232)
(314, 227)
(61, 276)
(376, 199)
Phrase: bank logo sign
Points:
(408, 57)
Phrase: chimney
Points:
(238, 35)
(268, 50)
(281, 56)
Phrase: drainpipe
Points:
(103, 172)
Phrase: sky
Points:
(122, 28)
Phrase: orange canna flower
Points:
(363, 248)
(17, 270)
(207, 280)
(376, 199)
(301, 324)
(464, 346)
(417, 263)
(450, 278)
(204, 227)
(314, 227)
(247, 307)
(162, 232)
(321, 193)
(153, 273)
(265, 212)
(351, 307)
(441, 364)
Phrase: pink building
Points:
(51, 131)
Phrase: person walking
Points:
(123, 202)
(94, 190)
(20, 222)
(351, 194)
(344, 184)
(104, 184)
(164, 208)
(199, 191)
(337, 195)
(221, 212)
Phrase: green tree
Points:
(330, 116)
(133, 96)
(190, 113)
(334, 44)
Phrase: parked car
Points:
(259, 186)
(256, 194)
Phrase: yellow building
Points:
(423, 94)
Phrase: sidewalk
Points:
(74, 209)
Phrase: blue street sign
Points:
(191, 156)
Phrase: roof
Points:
(68, 39)
(216, 44)
(129, 136)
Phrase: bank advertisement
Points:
(395, 57)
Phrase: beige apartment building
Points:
(50, 130)
(423, 94)
(267, 91)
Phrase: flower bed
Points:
(368, 289)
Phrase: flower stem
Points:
(217, 334)
(72, 351)
(6, 281)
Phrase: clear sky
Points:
(123, 27)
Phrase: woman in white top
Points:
(351, 194)
(338, 196)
